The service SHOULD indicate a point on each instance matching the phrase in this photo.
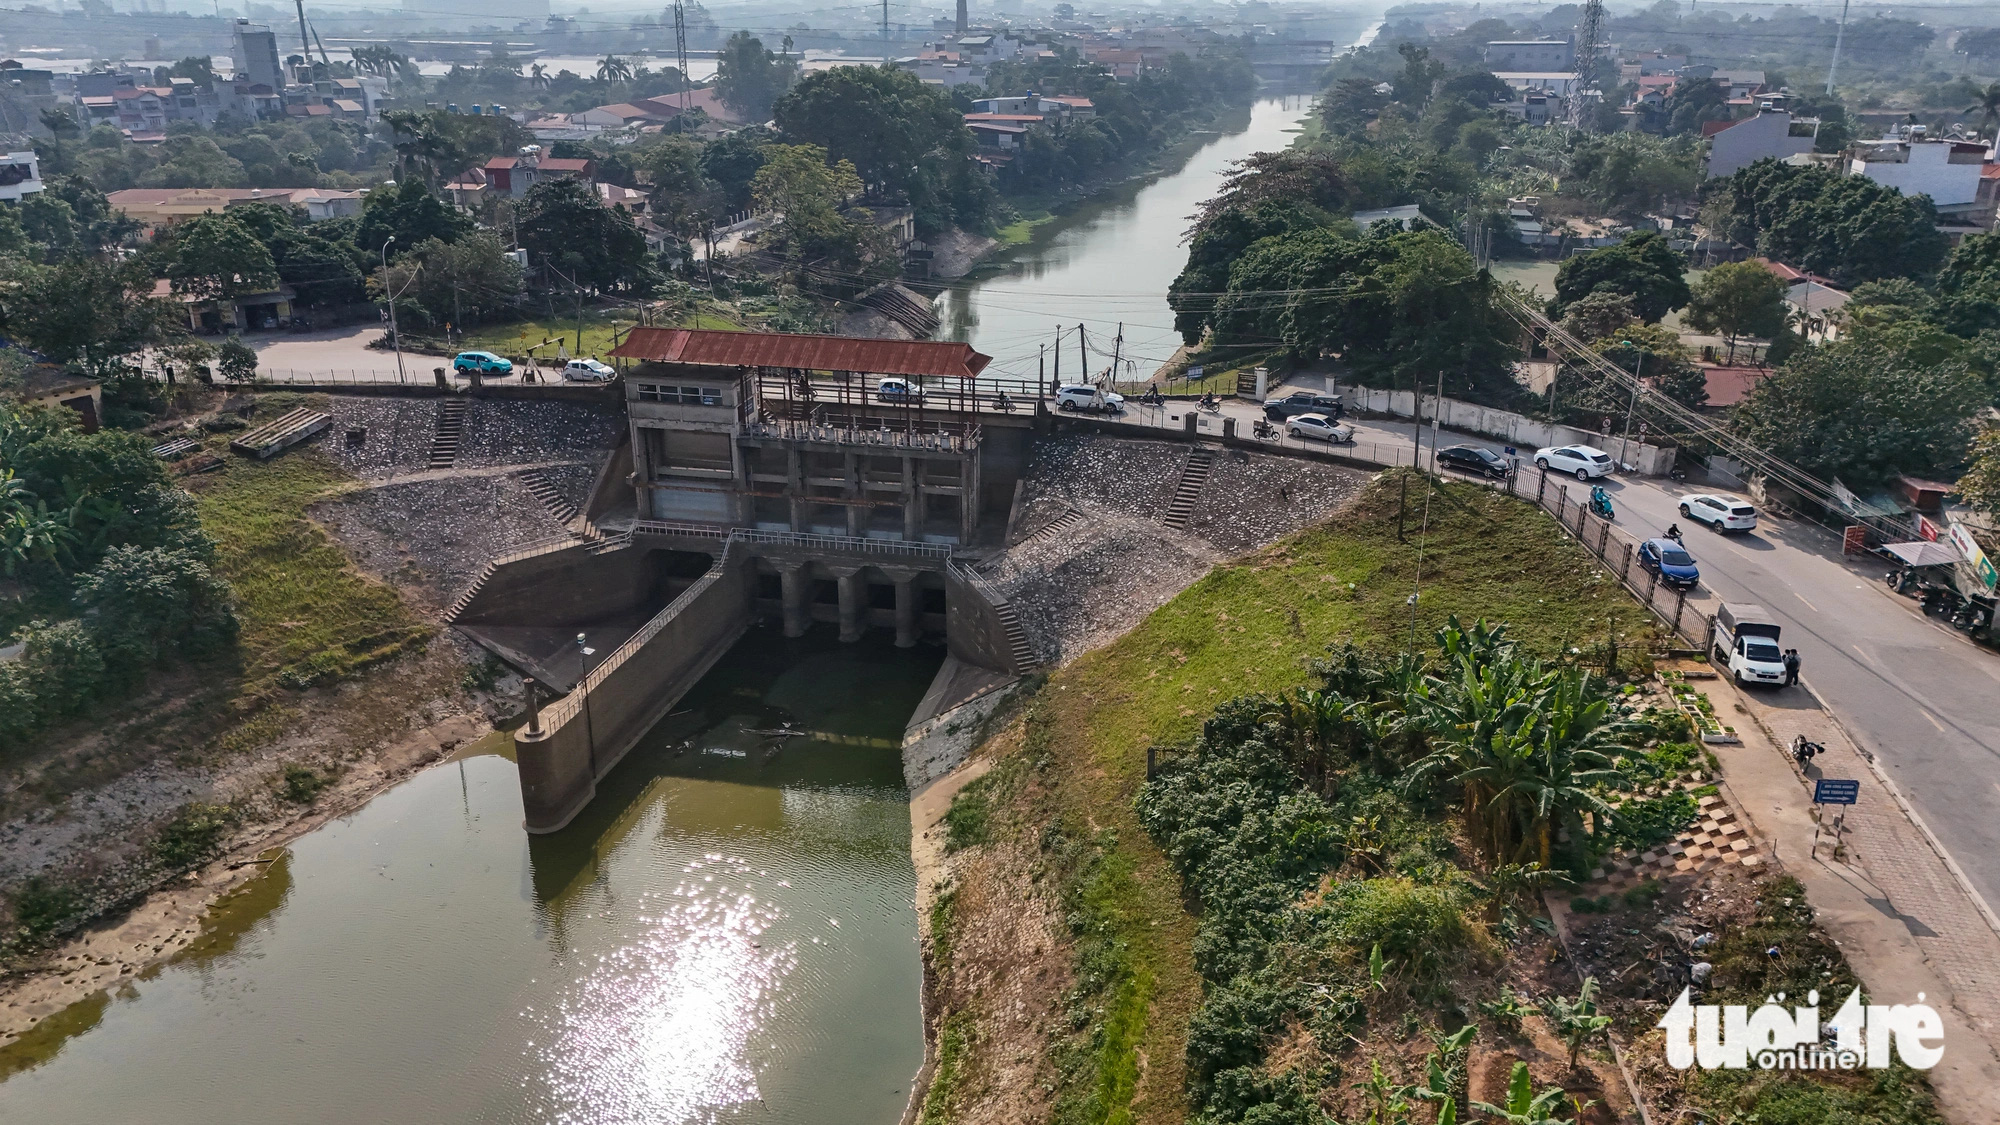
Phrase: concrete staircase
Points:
(1061, 525)
(451, 425)
(1193, 476)
(544, 489)
(1024, 653)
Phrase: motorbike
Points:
(1600, 503)
(1003, 403)
(1804, 751)
(1676, 474)
(1264, 431)
(1209, 404)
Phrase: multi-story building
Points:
(1542, 55)
(1767, 136)
(20, 176)
(253, 52)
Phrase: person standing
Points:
(1791, 666)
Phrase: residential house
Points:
(1531, 55)
(1557, 82)
(241, 313)
(621, 115)
(45, 384)
(20, 176)
(1739, 144)
(1948, 171)
(1815, 305)
(512, 176)
(995, 135)
(987, 49)
(157, 208)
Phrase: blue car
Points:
(486, 363)
(1670, 561)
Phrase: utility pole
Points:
(394, 337)
(885, 32)
(1042, 368)
(1117, 349)
(1839, 35)
(1057, 381)
(1638, 384)
(1082, 356)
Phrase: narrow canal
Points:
(726, 935)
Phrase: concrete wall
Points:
(1525, 434)
(565, 587)
(582, 737)
(974, 631)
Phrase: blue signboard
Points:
(1835, 791)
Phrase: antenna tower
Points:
(1839, 35)
(1589, 30)
(885, 34)
(681, 49)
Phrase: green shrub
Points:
(1421, 929)
(965, 823)
(237, 362)
(193, 836)
(302, 785)
(42, 907)
(1651, 821)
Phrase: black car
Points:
(1302, 402)
(1473, 459)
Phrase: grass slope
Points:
(1251, 626)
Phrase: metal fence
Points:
(1681, 610)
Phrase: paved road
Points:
(1918, 695)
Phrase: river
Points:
(1106, 262)
(726, 935)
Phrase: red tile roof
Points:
(564, 164)
(1727, 386)
(708, 348)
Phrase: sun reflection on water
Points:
(659, 1031)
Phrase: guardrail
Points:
(881, 437)
(850, 543)
(1618, 551)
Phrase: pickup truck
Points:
(1746, 643)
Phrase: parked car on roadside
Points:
(1318, 426)
(1723, 513)
(1303, 402)
(1473, 459)
(1670, 560)
(1082, 396)
(588, 371)
(899, 390)
(485, 363)
(1581, 461)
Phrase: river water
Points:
(1108, 261)
(727, 934)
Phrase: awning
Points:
(1924, 553)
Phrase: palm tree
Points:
(1987, 107)
(538, 76)
(422, 147)
(611, 68)
(1524, 1106)
(32, 532)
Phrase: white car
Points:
(1082, 397)
(899, 390)
(1581, 460)
(1723, 513)
(1318, 426)
(588, 371)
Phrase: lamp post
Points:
(583, 653)
(395, 338)
(1638, 383)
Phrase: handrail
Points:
(567, 707)
(932, 441)
(853, 543)
(540, 547)
(978, 582)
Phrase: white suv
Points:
(1081, 397)
(587, 371)
(1581, 460)
(1723, 513)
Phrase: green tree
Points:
(1643, 267)
(464, 282)
(412, 214)
(197, 68)
(1737, 299)
(89, 312)
(565, 226)
(1655, 353)
(214, 257)
(611, 68)
(1981, 483)
(1968, 288)
(237, 361)
(1863, 415)
(1845, 229)
(797, 182)
(142, 602)
(897, 132)
(750, 78)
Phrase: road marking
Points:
(1802, 598)
(1934, 722)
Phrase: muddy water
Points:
(727, 934)
(1107, 262)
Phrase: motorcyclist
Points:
(1208, 401)
(1674, 532)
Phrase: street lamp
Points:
(394, 337)
(583, 654)
(1638, 383)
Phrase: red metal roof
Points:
(708, 348)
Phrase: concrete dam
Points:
(781, 478)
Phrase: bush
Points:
(146, 601)
(237, 362)
(1420, 929)
(193, 836)
(302, 784)
(42, 907)
(1651, 821)
(965, 823)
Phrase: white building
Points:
(1530, 54)
(1739, 144)
(20, 175)
(1947, 171)
(1557, 82)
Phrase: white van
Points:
(1081, 397)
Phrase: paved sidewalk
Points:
(1905, 922)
